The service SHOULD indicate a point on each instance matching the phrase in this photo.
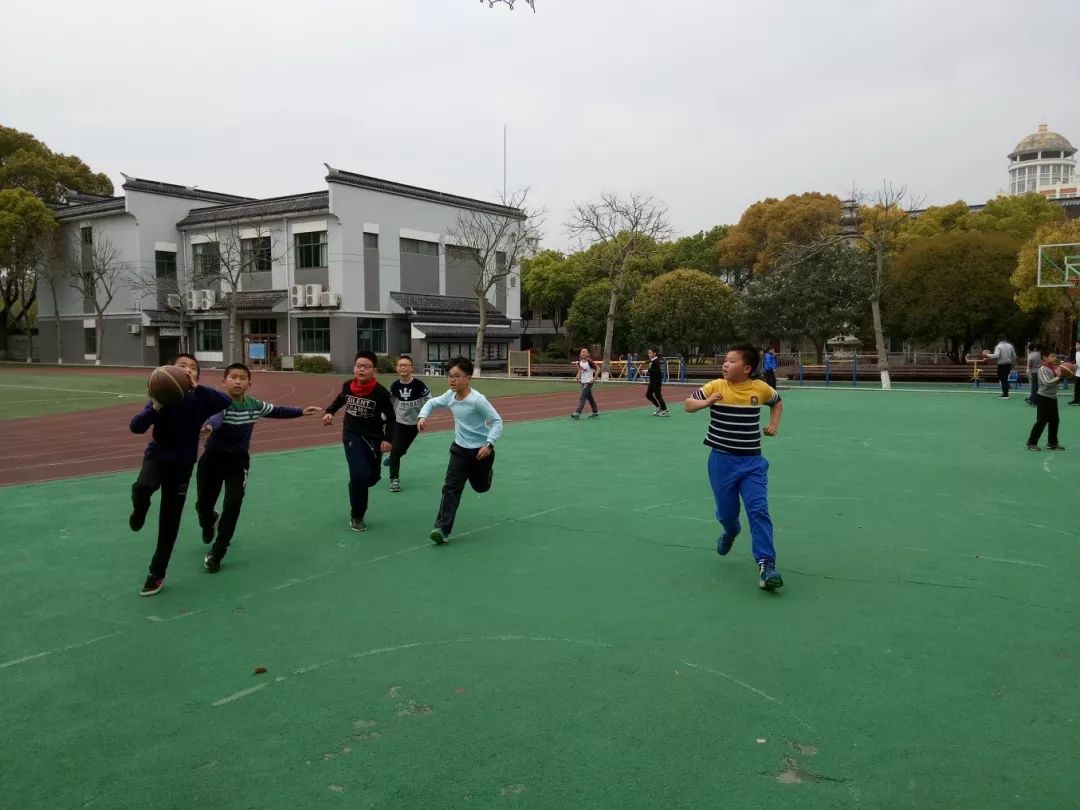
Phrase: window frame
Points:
(375, 328)
(207, 333)
(310, 246)
(309, 328)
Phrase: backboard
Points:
(1059, 265)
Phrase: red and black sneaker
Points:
(152, 585)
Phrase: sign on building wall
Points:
(170, 331)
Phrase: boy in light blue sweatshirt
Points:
(477, 426)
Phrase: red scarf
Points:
(362, 389)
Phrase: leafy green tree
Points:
(1056, 301)
(768, 228)
(27, 163)
(698, 251)
(956, 287)
(550, 281)
(26, 228)
(1018, 217)
(686, 310)
(588, 317)
(817, 297)
(933, 221)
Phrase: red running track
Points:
(49, 448)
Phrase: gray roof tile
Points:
(415, 192)
(444, 308)
(259, 209)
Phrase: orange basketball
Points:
(1068, 369)
(168, 384)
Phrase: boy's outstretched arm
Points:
(775, 412)
(698, 401)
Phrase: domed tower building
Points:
(1043, 163)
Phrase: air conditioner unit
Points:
(172, 301)
(191, 299)
(312, 294)
(330, 299)
(207, 298)
(134, 328)
(296, 295)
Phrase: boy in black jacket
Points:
(168, 462)
(656, 380)
(367, 433)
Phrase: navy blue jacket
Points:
(176, 427)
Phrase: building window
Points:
(262, 326)
(371, 241)
(314, 335)
(205, 258)
(255, 255)
(494, 351)
(371, 335)
(311, 249)
(90, 337)
(87, 235)
(420, 247)
(448, 351)
(165, 264)
(208, 337)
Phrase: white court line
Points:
(744, 685)
(303, 670)
(72, 390)
(241, 694)
(76, 645)
(969, 556)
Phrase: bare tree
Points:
(492, 3)
(162, 288)
(495, 240)
(629, 228)
(873, 220)
(52, 273)
(96, 274)
(240, 250)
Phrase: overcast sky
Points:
(707, 105)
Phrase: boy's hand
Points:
(207, 429)
(771, 430)
(483, 452)
(714, 398)
(156, 405)
(312, 409)
(420, 423)
(327, 419)
(385, 447)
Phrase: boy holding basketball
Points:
(736, 466)
(226, 460)
(367, 433)
(170, 458)
(1046, 404)
(477, 426)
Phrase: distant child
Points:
(1034, 361)
(367, 433)
(769, 364)
(408, 395)
(1076, 388)
(477, 426)
(226, 460)
(736, 466)
(168, 462)
(656, 380)
(1004, 355)
(586, 375)
(1046, 404)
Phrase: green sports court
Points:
(578, 643)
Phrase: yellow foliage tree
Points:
(1029, 295)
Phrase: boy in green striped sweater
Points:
(226, 459)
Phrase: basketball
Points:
(1068, 369)
(168, 384)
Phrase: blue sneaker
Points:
(386, 461)
(724, 543)
(769, 578)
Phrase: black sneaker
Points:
(136, 520)
(357, 525)
(1034, 447)
(395, 485)
(152, 585)
(437, 536)
(208, 533)
(211, 563)
(769, 578)
(594, 415)
(1054, 447)
(575, 416)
